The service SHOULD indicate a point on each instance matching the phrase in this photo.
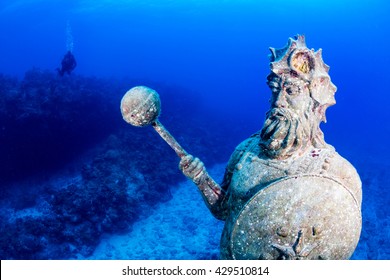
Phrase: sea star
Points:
(297, 251)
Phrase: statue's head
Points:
(301, 93)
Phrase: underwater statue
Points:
(286, 193)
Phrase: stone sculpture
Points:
(286, 194)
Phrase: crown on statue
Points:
(296, 60)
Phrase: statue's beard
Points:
(284, 135)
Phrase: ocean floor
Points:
(179, 229)
(183, 229)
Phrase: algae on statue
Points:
(286, 193)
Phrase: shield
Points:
(300, 217)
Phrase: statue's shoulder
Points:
(245, 146)
(341, 168)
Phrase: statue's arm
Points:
(215, 196)
(212, 193)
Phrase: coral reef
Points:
(59, 117)
(71, 170)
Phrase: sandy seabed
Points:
(180, 229)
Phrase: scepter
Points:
(141, 106)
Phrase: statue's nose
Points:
(280, 100)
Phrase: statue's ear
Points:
(322, 90)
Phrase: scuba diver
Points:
(68, 63)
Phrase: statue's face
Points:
(290, 93)
(287, 129)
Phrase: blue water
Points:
(72, 172)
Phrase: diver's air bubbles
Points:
(69, 37)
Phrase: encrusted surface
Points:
(140, 106)
(298, 217)
(286, 193)
(290, 195)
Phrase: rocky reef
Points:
(71, 170)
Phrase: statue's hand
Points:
(192, 167)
